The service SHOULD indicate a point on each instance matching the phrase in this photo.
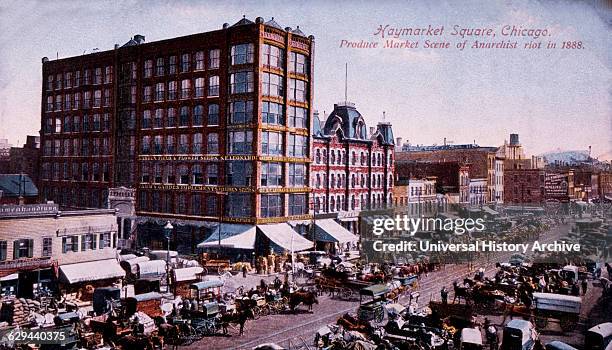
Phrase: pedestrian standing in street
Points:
(244, 271)
(444, 295)
(585, 285)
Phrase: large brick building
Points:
(211, 127)
(452, 178)
(352, 168)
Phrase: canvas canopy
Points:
(91, 271)
(285, 237)
(328, 230)
(232, 236)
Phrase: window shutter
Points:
(30, 248)
(63, 244)
(16, 249)
(93, 241)
(75, 243)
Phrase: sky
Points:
(555, 99)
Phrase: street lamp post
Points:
(167, 232)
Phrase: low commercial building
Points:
(478, 191)
(418, 197)
(40, 245)
(17, 189)
(25, 160)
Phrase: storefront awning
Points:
(232, 236)
(328, 230)
(91, 271)
(285, 237)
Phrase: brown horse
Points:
(239, 317)
(307, 298)
(135, 342)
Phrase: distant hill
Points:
(566, 157)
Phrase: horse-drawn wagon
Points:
(343, 288)
(214, 264)
(565, 308)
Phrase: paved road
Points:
(297, 331)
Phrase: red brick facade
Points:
(206, 125)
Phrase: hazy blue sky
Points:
(552, 98)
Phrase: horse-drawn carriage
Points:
(374, 308)
(207, 290)
(206, 321)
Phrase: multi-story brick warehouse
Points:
(210, 127)
(524, 186)
(352, 169)
(481, 161)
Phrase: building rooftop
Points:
(14, 185)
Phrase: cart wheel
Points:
(346, 293)
(567, 325)
(541, 322)
(204, 271)
(340, 268)
(220, 270)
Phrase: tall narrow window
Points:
(199, 87)
(213, 86)
(212, 174)
(214, 58)
(198, 115)
(199, 60)
(213, 114)
(185, 62)
(212, 144)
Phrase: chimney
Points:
(225, 25)
(139, 39)
(398, 141)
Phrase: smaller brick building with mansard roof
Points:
(352, 167)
